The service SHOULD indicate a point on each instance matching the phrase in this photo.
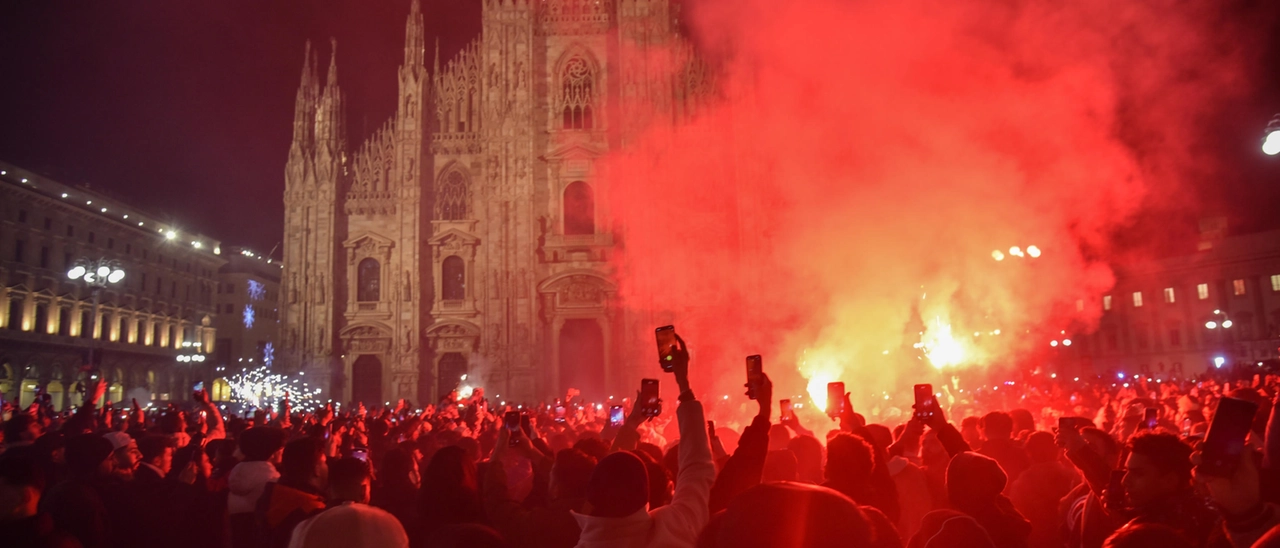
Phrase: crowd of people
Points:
(1081, 464)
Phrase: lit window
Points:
(1137, 299)
(1168, 295)
(1106, 302)
(1237, 286)
(1275, 282)
(1202, 291)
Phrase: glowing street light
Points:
(1271, 137)
(97, 275)
(1033, 251)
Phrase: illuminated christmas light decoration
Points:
(257, 291)
(248, 316)
(269, 354)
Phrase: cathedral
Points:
(467, 240)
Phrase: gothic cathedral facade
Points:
(470, 235)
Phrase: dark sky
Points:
(184, 108)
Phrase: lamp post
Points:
(97, 274)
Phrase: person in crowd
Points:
(1158, 488)
(350, 522)
(396, 491)
(1036, 493)
(22, 482)
(79, 505)
(298, 494)
(262, 447)
(998, 443)
(974, 485)
(615, 513)
(450, 491)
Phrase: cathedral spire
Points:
(414, 43)
(329, 118)
(305, 104)
(436, 69)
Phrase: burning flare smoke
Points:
(836, 205)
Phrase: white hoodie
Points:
(246, 482)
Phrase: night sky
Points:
(184, 108)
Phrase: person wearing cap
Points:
(124, 454)
(616, 514)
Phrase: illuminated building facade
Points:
(161, 309)
(468, 235)
(248, 319)
(1182, 315)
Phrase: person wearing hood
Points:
(615, 513)
(974, 486)
(262, 447)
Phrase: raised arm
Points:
(688, 512)
(745, 467)
(212, 416)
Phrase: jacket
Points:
(246, 482)
(674, 525)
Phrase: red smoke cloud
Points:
(846, 189)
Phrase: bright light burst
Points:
(261, 388)
(940, 347)
(819, 372)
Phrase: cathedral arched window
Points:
(368, 276)
(577, 94)
(579, 209)
(453, 274)
(452, 197)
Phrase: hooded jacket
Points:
(974, 484)
(674, 525)
(246, 482)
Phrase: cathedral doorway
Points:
(366, 380)
(453, 365)
(582, 358)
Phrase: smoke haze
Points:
(845, 191)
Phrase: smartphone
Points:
(1150, 418)
(649, 402)
(560, 414)
(511, 419)
(1224, 443)
(835, 399)
(755, 372)
(1186, 428)
(925, 404)
(787, 413)
(197, 386)
(525, 425)
(616, 416)
(361, 453)
(666, 336)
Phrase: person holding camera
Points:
(616, 514)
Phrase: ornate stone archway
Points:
(578, 295)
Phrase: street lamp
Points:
(97, 275)
(1271, 137)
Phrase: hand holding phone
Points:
(787, 413)
(926, 405)
(1224, 444)
(835, 399)
(616, 416)
(755, 372)
(648, 401)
